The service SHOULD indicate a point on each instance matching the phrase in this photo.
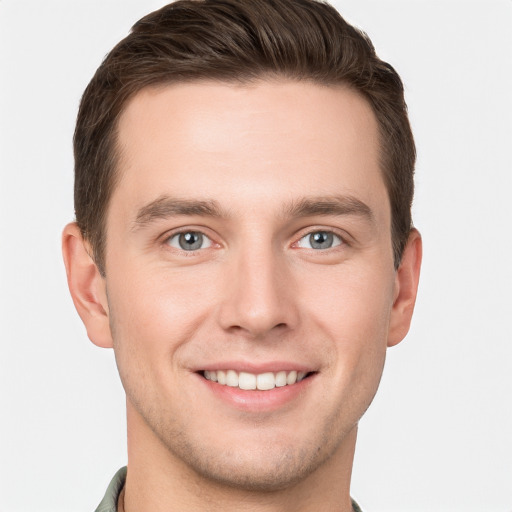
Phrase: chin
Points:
(260, 466)
(282, 470)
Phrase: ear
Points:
(406, 287)
(87, 286)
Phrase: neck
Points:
(160, 482)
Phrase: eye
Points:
(189, 241)
(320, 240)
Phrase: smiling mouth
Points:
(250, 381)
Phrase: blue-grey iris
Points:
(321, 240)
(190, 241)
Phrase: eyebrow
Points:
(330, 205)
(165, 207)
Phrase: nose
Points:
(258, 295)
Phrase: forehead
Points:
(272, 138)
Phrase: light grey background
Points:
(438, 436)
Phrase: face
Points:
(249, 275)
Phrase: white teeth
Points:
(246, 381)
(280, 379)
(249, 381)
(291, 378)
(232, 378)
(221, 377)
(265, 381)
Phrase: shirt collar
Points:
(109, 501)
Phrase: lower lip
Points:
(256, 400)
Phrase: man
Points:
(243, 241)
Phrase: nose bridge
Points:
(257, 298)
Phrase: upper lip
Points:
(256, 368)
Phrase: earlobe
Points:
(406, 287)
(87, 286)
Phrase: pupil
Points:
(190, 241)
(321, 240)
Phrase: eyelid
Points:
(205, 232)
(204, 238)
(165, 237)
(344, 237)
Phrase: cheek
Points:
(353, 302)
(352, 310)
(153, 315)
(158, 310)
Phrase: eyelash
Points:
(329, 232)
(177, 234)
(339, 240)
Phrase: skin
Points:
(255, 294)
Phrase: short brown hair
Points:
(237, 41)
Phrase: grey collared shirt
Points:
(109, 501)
